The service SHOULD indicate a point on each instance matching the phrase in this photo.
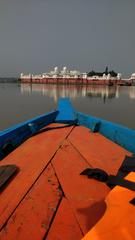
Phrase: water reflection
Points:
(75, 91)
(25, 101)
(72, 91)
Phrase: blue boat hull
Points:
(65, 113)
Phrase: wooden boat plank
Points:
(86, 196)
(99, 151)
(31, 157)
(32, 218)
(64, 226)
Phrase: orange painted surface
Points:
(85, 195)
(99, 151)
(65, 226)
(32, 217)
(31, 205)
(31, 157)
(118, 221)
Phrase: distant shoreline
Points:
(8, 80)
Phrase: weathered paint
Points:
(64, 226)
(18, 133)
(66, 112)
(25, 201)
(32, 218)
(31, 158)
(86, 196)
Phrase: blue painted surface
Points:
(18, 133)
(66, 113)
(115, 132)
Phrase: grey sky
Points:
(36, 35)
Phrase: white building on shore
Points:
(66, 73)
(133, 76)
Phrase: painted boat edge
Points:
(119, 134)
(17, 134)
(65, 113)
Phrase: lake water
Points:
(19, 102)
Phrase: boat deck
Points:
(48, 198)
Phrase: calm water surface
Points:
(19, 102)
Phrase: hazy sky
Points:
(36, 35)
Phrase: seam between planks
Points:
(85, 159)
(53, 217)
(76, 149)
(62, 188)
(72, 209)
(63, 195)
(59, 146)
(70, 132)
(75, 217)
